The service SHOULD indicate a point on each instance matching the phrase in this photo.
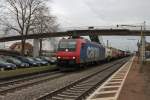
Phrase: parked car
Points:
(31, 62)
(51, 60)
(42, 62)
(15, 61)
(5, 65)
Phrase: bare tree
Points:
(22, 14)
(44, 23)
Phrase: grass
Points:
(22, 71)
(147, 63)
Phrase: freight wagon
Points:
(112, 53)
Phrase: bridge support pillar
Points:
(36, 47)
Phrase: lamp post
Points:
(142, 46)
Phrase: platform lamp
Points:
(142, 47)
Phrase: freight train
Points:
(74, 53)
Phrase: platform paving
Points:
(112, 87)
(137, 84)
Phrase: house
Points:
(18, 47)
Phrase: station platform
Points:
(128, 83)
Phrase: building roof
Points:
(13, 46)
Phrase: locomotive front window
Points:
(69, 45)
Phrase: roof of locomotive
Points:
(72, 39)
(81, 39)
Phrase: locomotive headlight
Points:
(58, 57)
(74, 57)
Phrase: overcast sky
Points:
(79, 13)
(100, 12)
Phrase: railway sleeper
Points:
(84, 85)
(71, 93)
(80, 88)
(81, 85)
(89, 82)
(77, 90)
(57, 98)
(11, 85)
(67, 96)
(84, 88)
(4, 88)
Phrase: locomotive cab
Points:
(67, 53)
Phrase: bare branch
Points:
(29, 16)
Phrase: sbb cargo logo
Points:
(92, 52)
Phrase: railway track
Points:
(80, 88)
(7, 82)
(23, 76)
(14, 85)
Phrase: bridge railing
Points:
(65, 29)
(101, 27)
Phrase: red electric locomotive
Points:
(72, 53)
